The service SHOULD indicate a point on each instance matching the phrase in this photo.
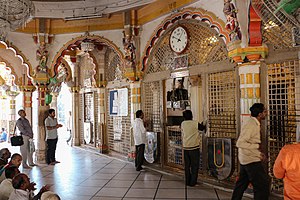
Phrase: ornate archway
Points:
(17, 62)
(196, 14)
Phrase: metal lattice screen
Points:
(284, 110)
(151, 108)
(204, 47)
(222, 108)
(113, 67)
(278, 37)
(121, 124)
(222, 104)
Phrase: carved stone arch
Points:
(69, 46)
(197, 14)
(69, 71)
(16, 61)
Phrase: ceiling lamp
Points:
(86, 44)
(14, 14)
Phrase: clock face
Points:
(179, 39)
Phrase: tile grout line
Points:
(105, 179)
(157, 186)
(131, 185)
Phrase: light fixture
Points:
(86, 44)
(14, 14)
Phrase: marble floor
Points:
(84, 175)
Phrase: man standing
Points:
(287, 166)
(191, 147)
(139, 133)
(251, 158)
(51, 137)
(27, 133)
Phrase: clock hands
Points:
(178, 39)
(180, 35)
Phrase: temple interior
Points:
(98, 62)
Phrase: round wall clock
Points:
(179, 39)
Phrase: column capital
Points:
(248, 54)
(74, 89)
(27, 88)
(12, 93)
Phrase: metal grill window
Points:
(121, 146)
(222, 104)
(203, 47)
(152, 105)
(284, 110)
(112, 64)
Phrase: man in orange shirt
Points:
(287, 166)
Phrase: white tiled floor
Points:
(83, 175)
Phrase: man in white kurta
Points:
(139, 132)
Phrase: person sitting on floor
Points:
(4, 156)
(6, 186)
(15, 160)
(49, 196)
(23, 188)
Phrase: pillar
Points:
(27, 101)
(42, 114)
(12, 110)
(75, 116)
(249, 86)
(103, 147)
(135, 102)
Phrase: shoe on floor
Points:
(139, 169)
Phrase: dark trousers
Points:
(139, 159)
(255, 174)
(191, 166)
(51, 147)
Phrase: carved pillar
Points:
(102, 112)
(12, 110)
(42, 114)
(27, 101)
(75, 116)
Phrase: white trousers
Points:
(26, 155)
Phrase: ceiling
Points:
(83, 9)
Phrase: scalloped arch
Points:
(189, 13)
(68, 46)
(16, 61)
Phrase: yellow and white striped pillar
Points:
(135, 103)
(135, 99)
(27, 101)
(250, 87)
(12, 110)
(103, 147)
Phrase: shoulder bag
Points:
(16, 140)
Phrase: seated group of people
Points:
(15, 185)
